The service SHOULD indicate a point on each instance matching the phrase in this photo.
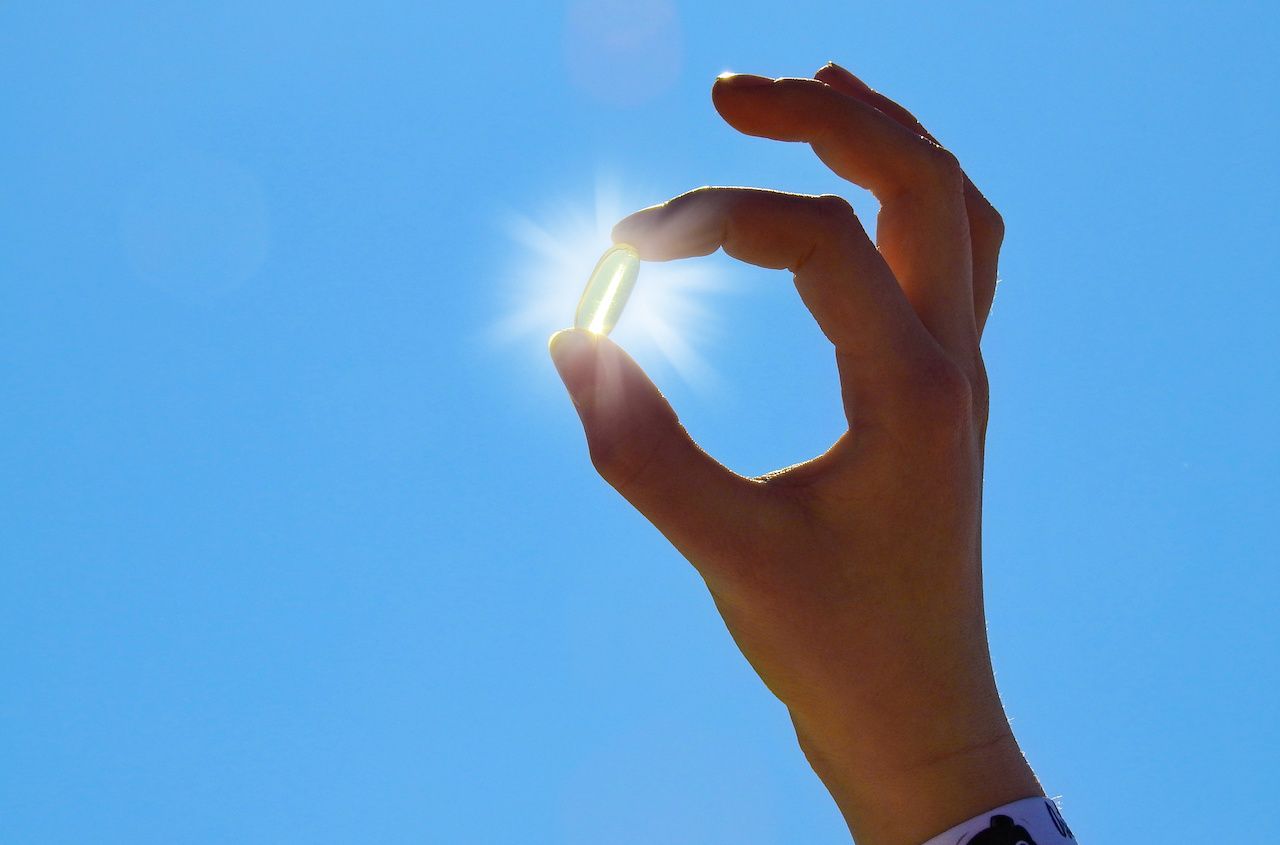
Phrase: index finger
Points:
(838, 272)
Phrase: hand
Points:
(853, 582)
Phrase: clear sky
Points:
(300, 540)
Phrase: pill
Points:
(607, 289)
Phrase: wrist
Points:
(905, 798)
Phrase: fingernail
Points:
(743, 80)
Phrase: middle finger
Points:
(922, 230)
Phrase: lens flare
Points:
(667, 311)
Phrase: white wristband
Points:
(1031, 821)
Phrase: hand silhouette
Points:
(852, 582)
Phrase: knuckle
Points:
(943, 399)
(986, 224)
(835, 211)
(981, 393)
(944, 160)
(834, 205)
(695, 195)
(790, 86)
(615, 460)
(952, 394)
(622, 460)
(833, 220)
(940, 166)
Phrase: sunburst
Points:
(667, 318)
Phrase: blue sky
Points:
(300, 539)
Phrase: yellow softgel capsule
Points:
(607, 290)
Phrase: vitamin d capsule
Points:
(607, 290)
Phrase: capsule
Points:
(607, 290)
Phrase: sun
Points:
(668, 317)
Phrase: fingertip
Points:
(840, 78)
(631, 230)
(623, 230)
(775, 111)
(569, 344)
(741, 81)
(572, 352)
(728, 85)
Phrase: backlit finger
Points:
(986, 226)
(922, 230)
(840, 275)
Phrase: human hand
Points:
(852, 582)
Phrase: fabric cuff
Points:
(1031, 821)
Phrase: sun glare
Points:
(666, 315)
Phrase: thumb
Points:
(638, 445)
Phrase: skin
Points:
(852, 582)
